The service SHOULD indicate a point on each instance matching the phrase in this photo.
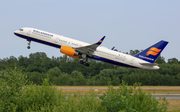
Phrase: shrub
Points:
(15, 95)
(11, 85)
(131, 99)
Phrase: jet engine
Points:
(69, 51)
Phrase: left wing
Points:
(89, 50)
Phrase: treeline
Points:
(64, 70)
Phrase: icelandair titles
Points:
(146, 57)
(43, 33)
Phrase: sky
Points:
(127, 24)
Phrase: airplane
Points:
(83, 51)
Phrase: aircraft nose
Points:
(15, 31)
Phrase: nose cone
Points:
(16, 32)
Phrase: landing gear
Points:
(84, 61)
(81, 61)
(29, 42)
(87, 64)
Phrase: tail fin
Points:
(150, 54)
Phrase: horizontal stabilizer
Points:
(149, 64)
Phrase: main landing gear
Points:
(84, 63)
(84, 60)
(29, 42)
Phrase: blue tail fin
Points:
(150, 54)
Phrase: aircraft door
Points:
(132, 61)
(29, 32)
(56, 39)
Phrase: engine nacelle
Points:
(69, 51)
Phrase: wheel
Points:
(86, 64)
(28, 47)
(81, 62)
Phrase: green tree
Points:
(80, 80)
(107, 73)
(54, 72)
(115, 81)
(160, 59)
(64, 79)
(133, 52)
(36, 77)
(178, 79)
(172, 60)
(46, 63)
(103, 81)
(23, 63)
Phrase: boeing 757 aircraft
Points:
(78, 49)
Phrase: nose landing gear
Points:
(29, 42)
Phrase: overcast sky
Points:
(127, 24)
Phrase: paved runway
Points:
(168, 97)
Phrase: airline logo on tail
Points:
(153, 51)
(100, 41)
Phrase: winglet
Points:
(100, 41)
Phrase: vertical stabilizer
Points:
(150, 54)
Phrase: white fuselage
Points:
(101, 53)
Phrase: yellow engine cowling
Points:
(69, 52)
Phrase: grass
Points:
(173, 106)
(103, 89)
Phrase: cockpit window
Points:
(21, 29)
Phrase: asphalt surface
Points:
(168, 97)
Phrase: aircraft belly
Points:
(112, 61)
